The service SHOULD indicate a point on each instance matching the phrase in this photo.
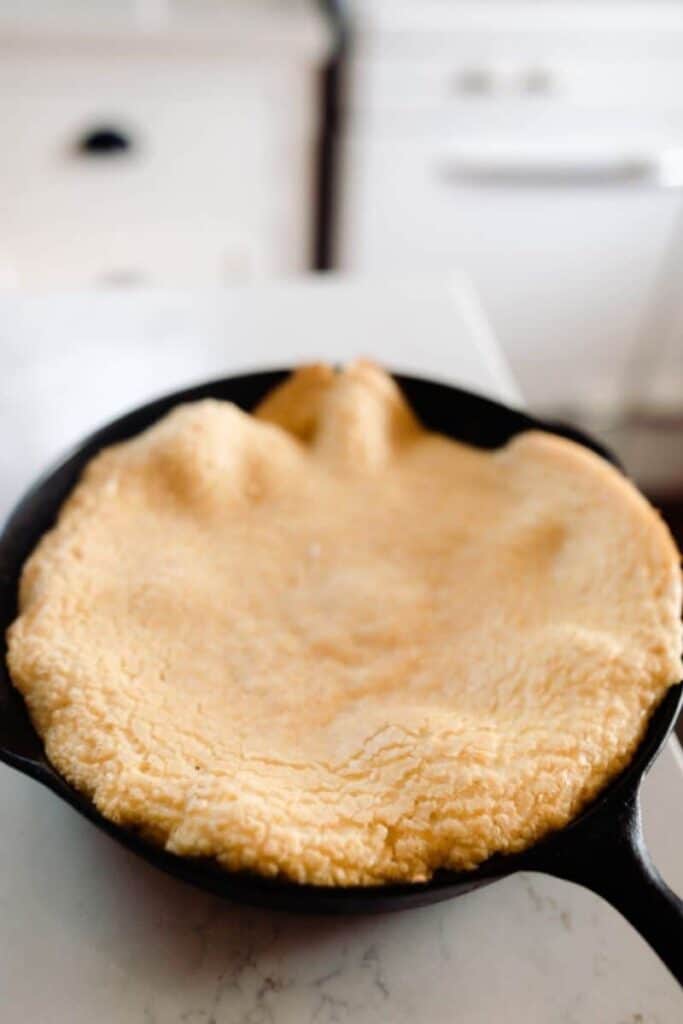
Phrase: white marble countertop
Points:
(87, 931)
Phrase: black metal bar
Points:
(327, 164)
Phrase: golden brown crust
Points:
(325, 643)
(295, 404)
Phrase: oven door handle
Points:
(556, 169)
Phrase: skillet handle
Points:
(616, 864)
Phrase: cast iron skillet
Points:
(603, 849)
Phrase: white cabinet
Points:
(156, 158)
(567, 273)
(541, 153)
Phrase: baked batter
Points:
(325, 643)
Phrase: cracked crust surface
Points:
(323, 642)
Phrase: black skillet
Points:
(603, 849)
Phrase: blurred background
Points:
(536, 146)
